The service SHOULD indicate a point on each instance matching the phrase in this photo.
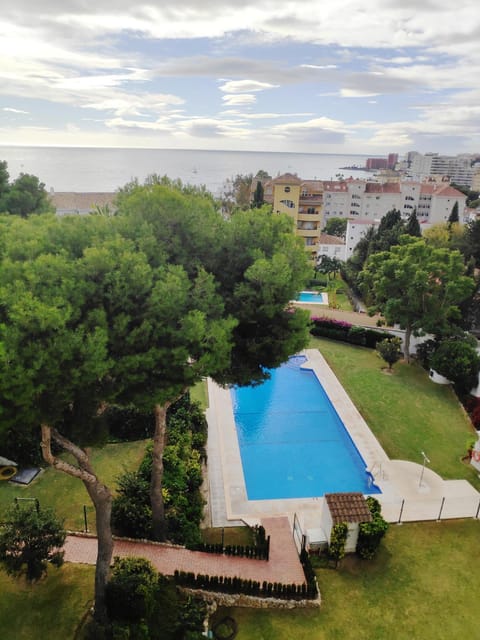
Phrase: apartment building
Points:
(459, 169)
(302, 200)
(372, 200)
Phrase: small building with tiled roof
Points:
(331, 246)
(349, 508)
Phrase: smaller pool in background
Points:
(292, 442)
(312, 297)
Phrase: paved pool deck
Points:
(410, 491)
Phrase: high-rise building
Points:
(459, 169)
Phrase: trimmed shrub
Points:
(338, 538)
(371, 533)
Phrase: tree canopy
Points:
(24, 196)
(30, 539)
(417, 286)
(336, 227)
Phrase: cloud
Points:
(11, 110)
(245, 86)
(233, 100)
(313, 132)
(356, 93)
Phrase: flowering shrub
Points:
(346, 332)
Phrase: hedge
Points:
(346, 332)
(247, 587)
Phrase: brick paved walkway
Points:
(283, 565)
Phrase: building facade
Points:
(459, 169)
(362, 199)
(302, 200)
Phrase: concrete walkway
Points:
(282, 566)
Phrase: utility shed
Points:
(351, 508)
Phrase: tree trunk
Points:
(159, 525)
(101, 497)
(406, 348)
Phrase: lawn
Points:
(420, 587)
(406, 411)
(67, 495)
(52, 608)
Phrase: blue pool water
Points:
(311, 297)
(292, 442)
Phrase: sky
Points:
(321, 76)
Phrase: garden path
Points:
(283, 565)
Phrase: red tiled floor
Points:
(283, 565)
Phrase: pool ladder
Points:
(376, 471)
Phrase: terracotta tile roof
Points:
(447, 190)
(80, 202)
(325, 238)
(427, 189)
(287, 178)
(313, 186)
(373, 187)
(348, 507)
(335, 186)
(391, 187)
(387, 187)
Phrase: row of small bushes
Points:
(243, 551)
(247, 587)
(260, 550)
(346, 332)
(308, 570)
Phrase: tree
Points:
(328, 265)
(30, 539)
(390, 350)
(471, 247)
(457, 360)
(218, 307)
(27, 195)
(412, 227)
(453, 217)
(55, 361)
(258, 196)
(4, 185)
(417, 286)
(336, 227)
(389, 230)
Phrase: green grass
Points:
(52, 608)
(67, 495)
(420, 587)
(199, 393)
(231, 535)
(406, 411)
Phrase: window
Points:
(288, 203)
(287, 189)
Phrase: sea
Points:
(81, 169)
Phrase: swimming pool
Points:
(292, 442)
(312, 297)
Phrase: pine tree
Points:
(413, 226)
